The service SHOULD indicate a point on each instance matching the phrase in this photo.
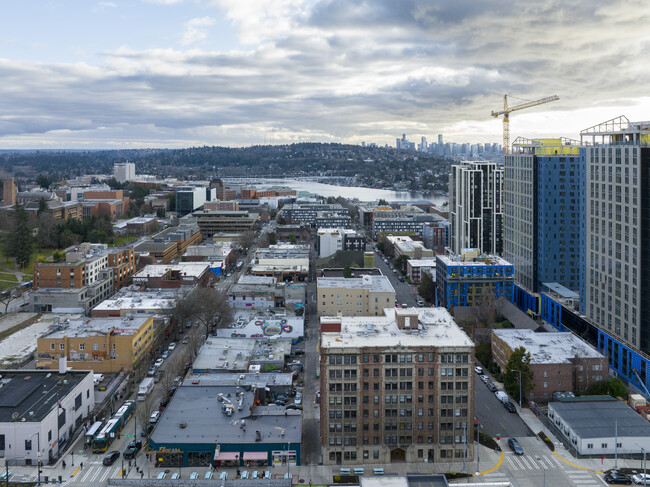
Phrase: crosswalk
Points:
(583, 478)
(96, 473)
(538, 462)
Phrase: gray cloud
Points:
(342, 70)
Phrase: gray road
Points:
(493, 416)
(404, 293)
(311, 411)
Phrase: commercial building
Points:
(543, 207)
(226, 354)
(356, 296)
(301, 232)
(405, 245)
(559, 361)
(160, 276)
(189, 199)
(416, 267)
(306, 213)
(331, 240)
(124, 171)
(395, 388)
(594, 424)
(213, 222)
(162, 252)
(616, 281)
(472, 279)
(39, 412)
(132, 301)
(226, 426)
(332, 219)
(103, 345)
(476, 207)
(260, 292)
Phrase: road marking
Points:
(493, 468)
(577, 466)
(75, 471)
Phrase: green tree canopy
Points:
(18, 243)
(519, 361)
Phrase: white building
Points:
(124, 171)
(40, 410)
(330, 240)
(594, 426)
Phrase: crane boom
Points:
(506, 115)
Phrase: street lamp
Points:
(478, 429)
(38, 445)
(516, 370)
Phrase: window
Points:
(61, 346)
(95, 346)
(49, 435)
(2, 442)
(51, 346)
(603, 445)
(590, 445)
(82, 346)
(28, 445)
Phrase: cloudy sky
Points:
(178, 73)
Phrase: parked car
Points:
(294, 406)
(617, 478)
(491, 386)
(478, 369)
(194, 476)
(132, 449)
(298, 399)
(152, 371)
(401, 279)
(5, 474)
(245, 474)
(176, 476)
(186, 341)
(639, 478)
(158, 362)
(110, 457)
(510, 407)
(188, 324)
(515, 446)
(267, 474)
(165, 354)
(155, 416)
(208, 475)
(484, 378)
(161, 475)
(171, 346)
(146, 431)
(501, 396)
(299, 352)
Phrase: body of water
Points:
(351, 192)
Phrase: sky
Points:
(84, 74)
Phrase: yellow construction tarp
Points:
(550, 147)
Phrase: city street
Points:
(405, 293)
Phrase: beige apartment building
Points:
(356, 296)
(396, 388)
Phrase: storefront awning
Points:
(256, 455)
(226, 456)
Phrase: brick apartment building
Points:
(396, 388)
(559, 361)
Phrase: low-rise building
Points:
(300, 232)
(331, 240)
(395, 388)
(239, 354)
(306, 213)
(595, 424)
(103, 345)
(131, 300)
(398, 245)
(416, 267)
(472, 279)
(74, 299)
(213, 222)
(260, 292)
(332, 219)
(559, 361)
(160, 276)
(367, 295)
(39, 412)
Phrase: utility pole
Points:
(478, 428)
(616, 444)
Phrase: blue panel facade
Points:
(560, 186)
(525, 300)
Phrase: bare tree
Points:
(212, 308)
(247, 240)
(183, 310)
(144, 410)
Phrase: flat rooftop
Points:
(199, 409)
(370, 282)
(259, 280)
(154, 247)
(280, 267)
(188, 269)
(36, 391)
(483, 260)
(89, 327)
(548, 348)
(435, 327)
(244, 379)
(430, 262)
(602, 419)
(129, 298)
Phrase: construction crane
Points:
(506, 116)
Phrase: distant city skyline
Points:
(179, 73)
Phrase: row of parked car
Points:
(501, 396)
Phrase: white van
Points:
(97, 378)
(501, 396)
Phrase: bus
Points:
(113, 426)
(92, 432)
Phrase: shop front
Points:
(256, 459)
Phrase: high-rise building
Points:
(396, 388)
(476, 207)
(124, 171)
(616, 291)
(543, 183)
(9, 192)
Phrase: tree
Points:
(43, 181)
(144, 410)
(613, 387)
(381, 246)
(347, 272)
(212, 308)
(427, 288)
(281, 220)
(519, 361)
(183, 310)
(272, 238)
(483, 353)
(400, 262)
(247, 240)
(292, 239)
(382, 202)
(19, 241)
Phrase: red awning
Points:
(227, 456)
(256, 455)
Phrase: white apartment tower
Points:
(124, 171)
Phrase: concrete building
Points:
(616, 279)
(405, 245)
(214, 222)
(331, 240)
(543, 209)
(162, 252)
(356, 296)
(132, 301)
(124, 171)
(40, 411)
(416, 267)
(472, 279)
(594, 424)
(476, 207)
(9, 192)
(332, 219)
(395, 388)
(306, 213)
(260, 292)
(226, 426)
(223, 354)
(559, 361)
(103, 345)
(301, 232)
